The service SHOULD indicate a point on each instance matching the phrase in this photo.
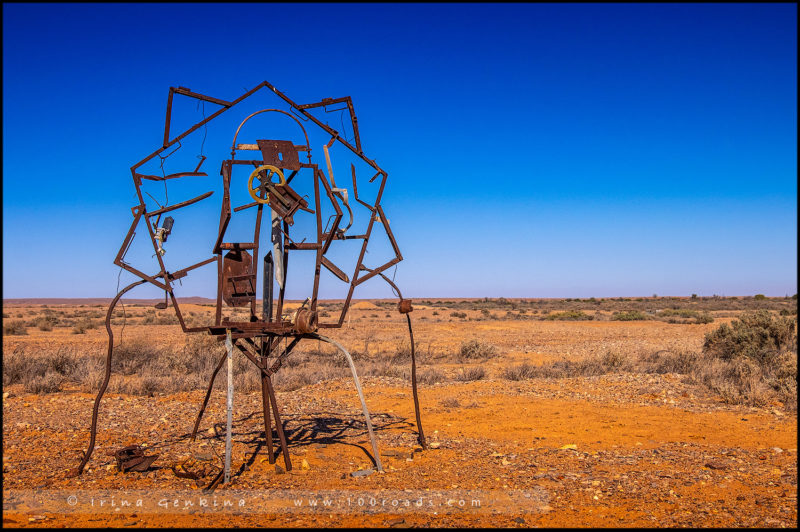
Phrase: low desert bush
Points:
(43, 371)
(15, 327)
(684, 316)
(665, 361)
(430, 376)
(569, 315)
(753, 360)
(519, 372)
(82, 325)
(474, 373)
(476, 350)
(629, 315)
(755, 335)
(45, 323)
(450, 402)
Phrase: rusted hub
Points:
(305, 321)
(404, 306)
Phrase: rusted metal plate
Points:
(238, 278)
(132, 458)
(280, 153)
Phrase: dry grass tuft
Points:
(15, 327)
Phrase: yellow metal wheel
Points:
(262, 181)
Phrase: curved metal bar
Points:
(103, 387)
(233, 145)
(420, 433)
(360, 394)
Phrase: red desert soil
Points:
(612, 450)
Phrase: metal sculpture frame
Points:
(259, 338)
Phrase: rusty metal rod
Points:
(107, 377)
(278, 425)
(208, 395)
(267, 423)
(421, 434)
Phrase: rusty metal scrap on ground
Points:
(283, 179)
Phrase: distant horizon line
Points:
(201, 299)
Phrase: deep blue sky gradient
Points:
(533, 150)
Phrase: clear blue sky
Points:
(533, 150)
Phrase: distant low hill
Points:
(100, 301)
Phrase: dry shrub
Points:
(476, 350)
(294, 378)
(519, 372)
(82, 325)
(569, 315)
(50, 382)
(610, 362)
(15, 327)
(386, 368)
(42, 371)
(430, 376)
(474, 373)
(684, 316)
(46, 322)
(752, 361)
(130, 358)
(450, 402)
(755, 335)
(665, 361)
(629, 315)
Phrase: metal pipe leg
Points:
(222, 360)
(265, 403)
(278, 425)
(360, 396)
(421, 434)
(107, 377)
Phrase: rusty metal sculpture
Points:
(276, 164)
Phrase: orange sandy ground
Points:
(636, 455)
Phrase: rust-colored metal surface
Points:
(284, 182)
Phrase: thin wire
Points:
(163, 174)
(157, 203)
(166, 193)
(205, 128)
(341, 120)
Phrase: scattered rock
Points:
(279, 470)
(304, 465)
(713, 464)
(434, 445)
(362, 473)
